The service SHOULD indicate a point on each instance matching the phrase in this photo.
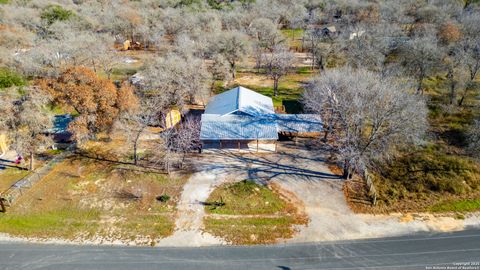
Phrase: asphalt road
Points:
(421, 251)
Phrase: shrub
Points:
(425, 171)
(10, 78)
(163, 198)
(55, 13)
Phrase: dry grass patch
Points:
(116, 147)
(9, 176)
(96, 200)
(249, 213)
(11, 173)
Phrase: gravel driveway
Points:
(305, 174)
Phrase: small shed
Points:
(329, 31)
(3, 144)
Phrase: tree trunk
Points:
(135, 157)
(2, 206)
(167, 167)
(212, 86)
(452, 96)
(321, 66)
(347, 170)
(464, 94)
(135, 147)
(419, 86)
(233, 70)
(313, 60)
(460, 102)
(275, 87)
(31, 162)
(94, 66)
(325, 135)
(303, 41)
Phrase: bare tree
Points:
(178, 141)
(474, 138)
(470, 45)
(25, 119)
(371, 45)
(277, 64)
(220, 70)
(368, 115)
(266, 33)
(180, 78)
(421, 56)
(233, 46)
(150, 112)
(321, 46)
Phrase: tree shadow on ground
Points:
(266, 167)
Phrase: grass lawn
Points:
(86, 199)
(249, 213)
(467, 205)
(245, 198)
(294, 37)
(290, 86)
(123, 70)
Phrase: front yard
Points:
(84, 199)
(249, 213)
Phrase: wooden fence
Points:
(8, 197)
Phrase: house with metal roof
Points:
(244, 119)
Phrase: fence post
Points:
(372, 192)
(2, 206)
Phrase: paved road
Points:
(407, 252)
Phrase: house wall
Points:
(240, 145)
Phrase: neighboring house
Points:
(59, 131)
(3, 144)
(356, 34)
(172, 118)
(329, 31)
(244, 119)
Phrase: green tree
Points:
(53, 13)
(10, 78)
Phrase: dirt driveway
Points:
(212, 170)
(305, 174)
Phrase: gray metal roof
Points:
(240, 99)
(242, 114)
(302, 123)
(60, 124)
(237, 127)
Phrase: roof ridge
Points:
(238, 97)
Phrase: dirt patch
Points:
(294, 204)
(253, 79)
